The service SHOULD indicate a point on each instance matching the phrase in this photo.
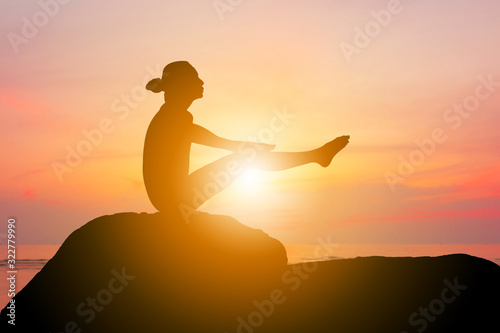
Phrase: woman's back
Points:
(166, 155)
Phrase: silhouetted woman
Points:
(172, 131)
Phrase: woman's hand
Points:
(263, 146)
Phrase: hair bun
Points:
(155, 85)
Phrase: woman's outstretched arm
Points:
(203, 136)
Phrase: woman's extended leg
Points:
(211, 179)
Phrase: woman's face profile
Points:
(187, 83)
(196, 85)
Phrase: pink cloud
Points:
(29, 194)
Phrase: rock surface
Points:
(133, 272)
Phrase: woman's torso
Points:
(166, 153)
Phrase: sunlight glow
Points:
(250, 178)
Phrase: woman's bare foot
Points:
(329, 150)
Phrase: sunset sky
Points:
(415, 83)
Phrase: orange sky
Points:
(389, 84)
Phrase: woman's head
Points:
(179, 80)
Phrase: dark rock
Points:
(153, 273)
(453, 293)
